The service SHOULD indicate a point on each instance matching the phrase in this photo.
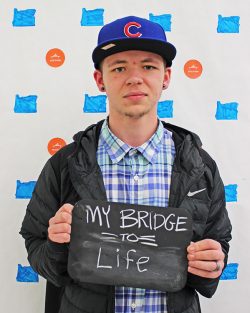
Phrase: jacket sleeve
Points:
(218, 227)
(47, 258)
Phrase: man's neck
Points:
(134, 132)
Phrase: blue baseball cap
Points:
(132, 33)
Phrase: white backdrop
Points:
(60, 99)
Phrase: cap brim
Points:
(165, 49)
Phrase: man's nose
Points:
(134, 78)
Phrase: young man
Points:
(131, 157)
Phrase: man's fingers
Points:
(207, 269)
(207, 250)
(205, 244)
(60, 228)
(205, 258)
(208, 255)
(210, 266)
(202, 273)
(67, 207)
(59, 233)
(63, 215)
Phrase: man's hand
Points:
(205, 258)
(60, 225)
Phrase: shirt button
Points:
(136, 178)
(133, 306)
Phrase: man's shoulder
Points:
(91, 134)
(179, 134)
(60, 159)
(208, 160)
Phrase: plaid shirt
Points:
(139, 175)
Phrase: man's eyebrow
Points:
(122, 61)
(117, 62)
(150, 60)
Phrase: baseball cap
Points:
(132, 33)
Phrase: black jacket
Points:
(73, 174)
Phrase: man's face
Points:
(133, 81)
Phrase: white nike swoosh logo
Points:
(192, 193)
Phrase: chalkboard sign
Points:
(129, 245)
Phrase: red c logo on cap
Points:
(127, 29)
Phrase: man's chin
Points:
(136, 115)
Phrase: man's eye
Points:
(119, 69)
(149, 67)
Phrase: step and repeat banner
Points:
(47, 94)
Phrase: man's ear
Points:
(99, 80)
(167, 76)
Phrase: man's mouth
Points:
(135, 95)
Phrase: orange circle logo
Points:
(55, 57)
(193, 69)
(55, 144)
